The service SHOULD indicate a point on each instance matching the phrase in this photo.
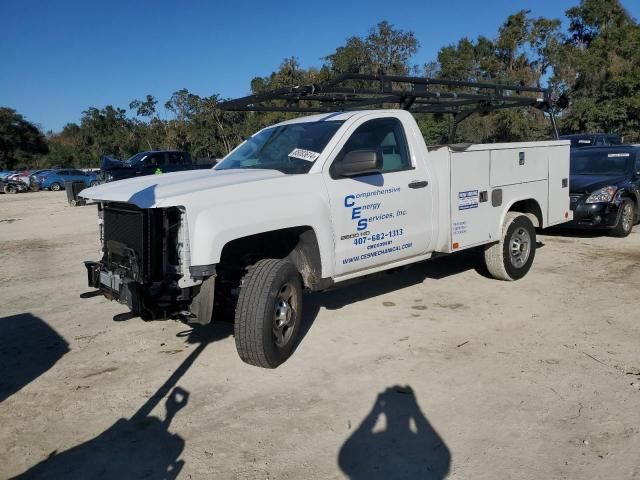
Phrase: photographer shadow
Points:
(406, 445)
(29, 347)
(141, 446)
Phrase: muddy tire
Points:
(626, 219)
(55, 186)
(268, 313)
(511, 258)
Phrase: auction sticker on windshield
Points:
(302, 154)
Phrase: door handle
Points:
(418, 184)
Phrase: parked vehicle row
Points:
(55, 179)
(16, 182)
(48, 179)
(9, 185)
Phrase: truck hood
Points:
(164, 190)
(108, 163)
(590, 183)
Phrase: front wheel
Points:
(268, 313)
(626, 219)
(511, 258)
(55, 187)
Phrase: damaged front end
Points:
(146, 262)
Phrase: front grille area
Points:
(140, 243)
(133, 241)
(125, 225)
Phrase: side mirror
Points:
(359, 162)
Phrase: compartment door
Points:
(470, 210)
(559, 210)
(518, 165)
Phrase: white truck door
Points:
(384, 217)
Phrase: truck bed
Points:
(484, 178)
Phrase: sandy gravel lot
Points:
(435, 372)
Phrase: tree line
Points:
(595, 61)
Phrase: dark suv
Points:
(147, 163)
(605, 188)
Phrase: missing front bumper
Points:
(114, 287)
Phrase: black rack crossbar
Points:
(415, 94)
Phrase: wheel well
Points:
(636, 199)
(298, 243)
(530, 208)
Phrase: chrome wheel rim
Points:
(627, 217)
(519, 247)
(284, 315)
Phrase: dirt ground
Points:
(434, 372)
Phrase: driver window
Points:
(155, 160)
(385, 134)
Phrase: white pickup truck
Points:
(309, 203)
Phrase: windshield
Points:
(138, 157)
(582, 141)
(601, 163)
(288, 148)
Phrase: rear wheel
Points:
(55, 187)
(626, 219)
(267, 318)
(511, 258)
(10, 189)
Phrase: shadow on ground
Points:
(141, 446)
(28, 348)
(395, 441)
(385, 282)
(573, 232)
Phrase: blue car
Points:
(54, 179)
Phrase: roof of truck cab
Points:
(335, 116)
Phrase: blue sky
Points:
(58, 58)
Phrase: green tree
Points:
(107, 131)
(149, 128)
(20, 141)
(384, 50)
(606, 91)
